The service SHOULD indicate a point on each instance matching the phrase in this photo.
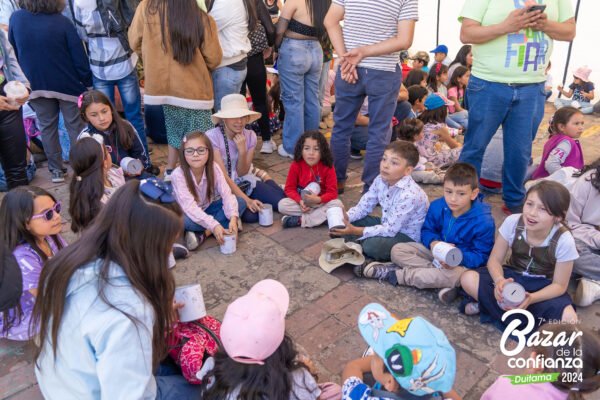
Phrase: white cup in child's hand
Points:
(335, 218)
(193, 302)
(446, 253)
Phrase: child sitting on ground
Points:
(313, 163)
(456, 94)
(562, 148)
(411, 130)
(403, 205)
(201, 190)
(438, 145)
(258, 360)
(581, 92)
(31, 224)
(416, 97)
(235, 146)
(94, 182)
(586, 345)
(461, 219)
(543, 251)
(120, 137)
(410, 358)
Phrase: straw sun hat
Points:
(234, 106)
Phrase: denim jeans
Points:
(216, 210)
(299, 63)
(382, 87)
(586, 106)
(519, 109)
(226, 80)
(461, 118)
(378, 248)
(171, 385)
(129, 90)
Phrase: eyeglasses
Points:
(49, 214)
(191, 151)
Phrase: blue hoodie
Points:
(473, 232)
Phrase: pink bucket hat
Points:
(254, 324)
(583, 73)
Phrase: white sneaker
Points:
(587, 292)
(284, 153)
(191, 241)
(268, 147)
(167, 175)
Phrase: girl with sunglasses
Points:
(203, 193)
(95, 180)
(30, 224)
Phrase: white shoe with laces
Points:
(588, 291)
(268, 147)
(283, 153)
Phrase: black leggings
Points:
(256, 79)
(13, 148)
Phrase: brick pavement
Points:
(323, 308)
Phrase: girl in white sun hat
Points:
(234, 152)
(581, 92)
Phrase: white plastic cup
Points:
(15, 90)
(229, 244)
(312, 188)
(191, 296)
(513, 294)
(447, 253)
(335, 218)
(265, 215)
(131, 166)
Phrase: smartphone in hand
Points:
(540, 7)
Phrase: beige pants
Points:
(315, 217)
(434, 177)
(418, 270)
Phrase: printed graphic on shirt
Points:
(526, 49)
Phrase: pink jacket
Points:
(195, 210)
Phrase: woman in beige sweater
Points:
(179, 47)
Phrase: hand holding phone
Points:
(539, 7)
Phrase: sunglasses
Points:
(191, 151)
(49, 214)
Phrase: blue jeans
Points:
(171, 385)
(299, 63)
(460, 118)
(586, 106)
(129, 89)
(216, 210)
(226, 81)
(378, 248)
(519, 109)
(382, 87)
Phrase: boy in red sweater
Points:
(311, 184)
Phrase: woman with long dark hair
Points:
(464, 57)
(299, 29)
(54, 60)
(106, 302)
(235, 20)
(179, 46)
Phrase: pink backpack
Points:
(192, 346)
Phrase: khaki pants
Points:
(418, 270)
(433, 177)
(315, 217)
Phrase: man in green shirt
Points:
(512, 44)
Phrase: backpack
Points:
(192, 345)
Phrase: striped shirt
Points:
(367, 22)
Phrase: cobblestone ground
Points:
(323, 307)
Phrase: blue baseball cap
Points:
(416, 353)
(436, 100)
(442, 48)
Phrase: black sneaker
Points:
(153, 169)
(58, 176)
(356, 155)
(180, 252)
(379, 270)
(291, 221)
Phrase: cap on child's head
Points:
(414, 351)
(436, 100)
(422, 56)
(254, 325)
(442, 48)
(583, 73)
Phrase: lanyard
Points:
(226, 140)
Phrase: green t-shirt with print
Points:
(517, 57)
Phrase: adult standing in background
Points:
(111, 59)
(369, 46)
(299, 31)
(512, 44)
(235, 19)
(179, 46)
(54, 60)
(464, 57)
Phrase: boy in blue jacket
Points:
(461, 219)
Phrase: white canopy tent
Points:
(584, 46)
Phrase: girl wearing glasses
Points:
(30, 224)
(203, 193)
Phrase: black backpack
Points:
(116, 17)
